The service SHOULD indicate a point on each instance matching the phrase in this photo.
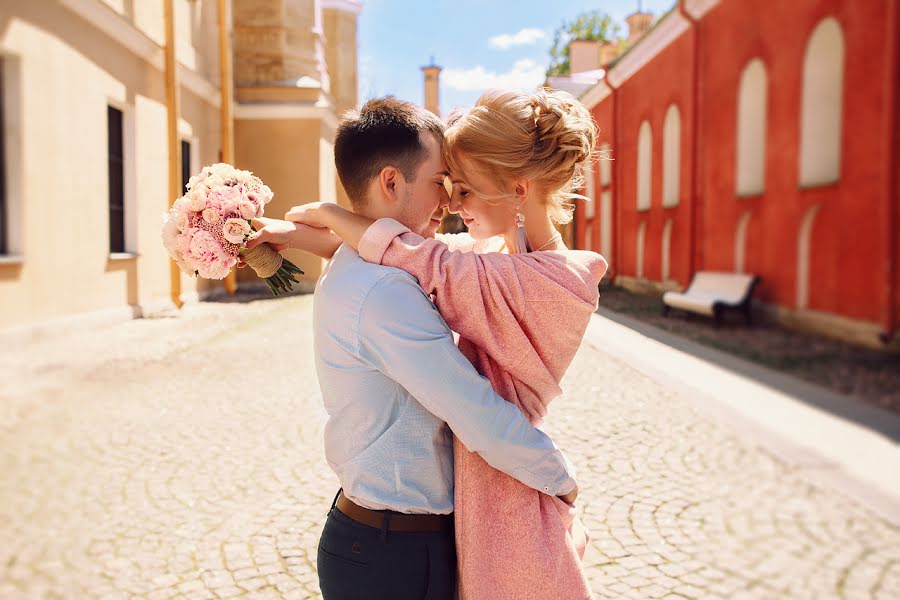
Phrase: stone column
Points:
(285, 117)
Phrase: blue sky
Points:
(479, 43)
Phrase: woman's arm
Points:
(282, 235)
(347, 225)
(485, 297)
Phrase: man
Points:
(393, 380)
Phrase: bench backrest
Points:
(730, 287)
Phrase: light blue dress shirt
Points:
(392, 381)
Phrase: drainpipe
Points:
(226, 113)
(695, 249)
(892, 184)
(172, 112)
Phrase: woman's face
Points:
(485, 217)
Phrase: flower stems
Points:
(283, 279)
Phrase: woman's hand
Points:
(348, 226)
(275, 232)
(314, 214)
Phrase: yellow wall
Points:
(64, 61)
(64, 73)
(293, 157)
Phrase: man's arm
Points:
(404, 336)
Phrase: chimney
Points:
(608, 53)
(638, 24)
(432, 87)
(584, 55)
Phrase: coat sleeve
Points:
(485, 297)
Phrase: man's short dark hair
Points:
(385, 132)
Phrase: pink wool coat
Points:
(520, 318)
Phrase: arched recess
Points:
(804, 255)
(740, 242)
(645, 166)
(821, 113)
(750, 159)
(672, 157)
(667, 249)
(642, 233)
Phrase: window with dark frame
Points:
(185, 165)
(4, 225)
(116, 165)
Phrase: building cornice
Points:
(286, 111)
(112, 24)
(353, 7)
(698, 8)
(647, 48)
(596, 94)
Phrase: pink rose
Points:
(197, 199)
(211, 216)
(235, 230)
(247, 209)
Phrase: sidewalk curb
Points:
(835, 441)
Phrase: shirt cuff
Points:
(378, 237)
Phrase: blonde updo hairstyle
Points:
(546, 137)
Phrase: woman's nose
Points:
(455, 206)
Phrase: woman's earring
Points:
(522, 244)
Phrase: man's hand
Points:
(570, 497)
(275, 232)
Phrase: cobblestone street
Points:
(140, 460)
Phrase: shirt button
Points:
(546, 489)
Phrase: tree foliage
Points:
(594, 25)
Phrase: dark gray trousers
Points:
(358, 562)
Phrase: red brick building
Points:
(762, 138)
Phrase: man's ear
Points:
(389, 179)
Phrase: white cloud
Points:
(525, 37)
(525, 73)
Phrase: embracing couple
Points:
(448, 489)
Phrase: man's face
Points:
(425, 197)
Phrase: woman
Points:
(520, 302)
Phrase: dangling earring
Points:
(522, 243)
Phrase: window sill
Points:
(123, 255)
(11, 259)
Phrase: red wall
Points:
(850, 245)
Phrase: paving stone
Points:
(134, 464)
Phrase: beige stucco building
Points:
(85, 147)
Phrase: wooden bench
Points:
(711, 293)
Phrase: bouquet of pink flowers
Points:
(207, 228)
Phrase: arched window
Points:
(821, 117)
(605, 165)
(642, 233)
(590, 190)
(606, 224)
(672, 157)
(644, 166)
(667, 250)
(740, 242)
(751, 129)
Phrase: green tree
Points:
(594, 25)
